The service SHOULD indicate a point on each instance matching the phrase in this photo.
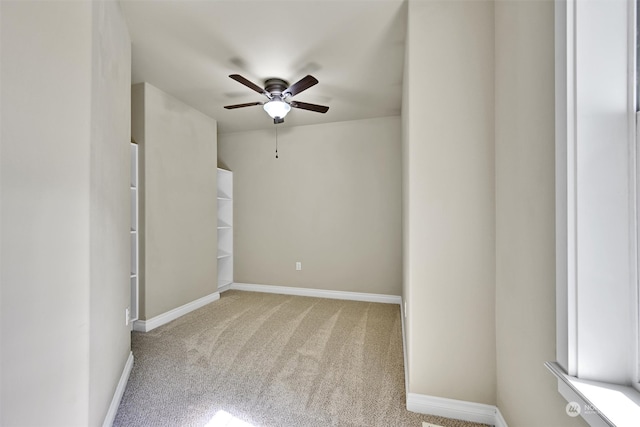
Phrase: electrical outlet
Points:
(127, 316)
(425, 424)
(298, 266)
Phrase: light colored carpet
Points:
(253, 359)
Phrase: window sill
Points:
(600, 404)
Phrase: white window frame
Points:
(597, 338)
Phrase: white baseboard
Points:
(500, 422)
(117, 395)
(404, 347)
(318, 293)
(154, 322)
(224, 288)
(451, 408)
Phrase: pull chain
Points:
(276, 141)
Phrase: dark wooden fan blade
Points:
(311, 107)
(248, 104)
(250, 85)
(300, 85)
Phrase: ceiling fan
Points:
(279, 95)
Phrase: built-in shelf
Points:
(224, 193)
(222, 224)
(134, 234)
(225, 229)
(223, 254)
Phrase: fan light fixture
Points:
(277, 91)
(277, 108)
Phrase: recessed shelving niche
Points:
(225, 229)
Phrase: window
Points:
(597, 210)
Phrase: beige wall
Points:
(45, 212)
(179, 201)
(110, 206)
(65, 71)
(449, 200)
(406, 229)
(525, 215)
(331, 201)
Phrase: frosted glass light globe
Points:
(276, 108)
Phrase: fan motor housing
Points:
(275, 86)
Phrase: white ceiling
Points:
(355, 48)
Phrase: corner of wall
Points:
(177, 219)
(110, 213)
(449, 200)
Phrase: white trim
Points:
(596, 253)
(318, 293)
(450, 408)
(566, 185)
(456, 409)
(225, 288)
(117, 395)
(635, 383)
(154, 322)
(404, 349)
(633, 191)
(572, 394)
(500, 422)
(634, 185)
